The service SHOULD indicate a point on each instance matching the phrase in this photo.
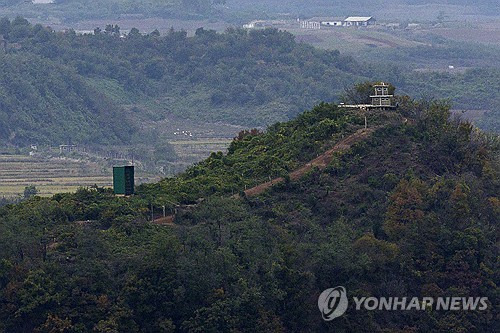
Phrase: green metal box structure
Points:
(123, 180)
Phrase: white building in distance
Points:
(359, 21)
(313, 25)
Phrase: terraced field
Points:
(58, 174)
(62, 174)
(192, 151)
(49, 175)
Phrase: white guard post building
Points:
(380, 100)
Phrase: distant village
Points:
(317, 23)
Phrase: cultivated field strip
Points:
(50, 176)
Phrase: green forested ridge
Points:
(44, 102)
(410, 211)
(247, 78)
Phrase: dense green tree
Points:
(30, 191)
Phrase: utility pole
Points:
(364, 108)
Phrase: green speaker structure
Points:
(123, 180)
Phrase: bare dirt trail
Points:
(167, 220)
(320, 162)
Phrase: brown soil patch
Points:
(168, 220)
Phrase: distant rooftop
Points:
(326, 19)
(358, 18)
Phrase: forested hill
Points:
(238, 78)
(100, 88)
(44, 102)
(409, 211)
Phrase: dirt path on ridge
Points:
(320, 162)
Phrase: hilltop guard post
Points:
(382, 99)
